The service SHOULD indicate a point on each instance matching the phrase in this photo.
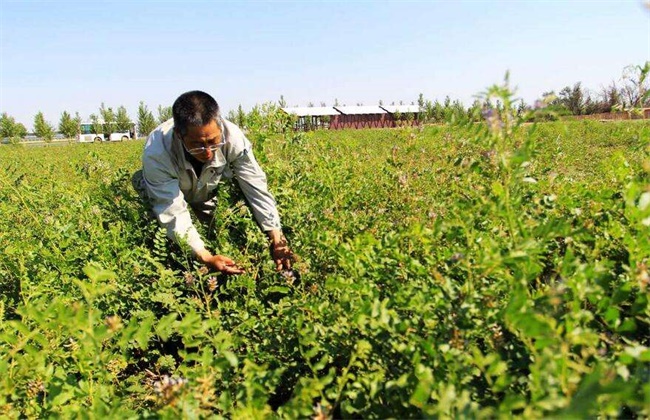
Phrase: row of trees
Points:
(632, 93)
(68, 126)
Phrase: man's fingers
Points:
(282, 256)
(226, 265)
(228, 268)
(283, 264)
(232, 270)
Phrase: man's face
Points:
(202, 142)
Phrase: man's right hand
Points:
(219, 263)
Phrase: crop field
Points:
(445, 271)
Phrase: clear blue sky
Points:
(71, 56)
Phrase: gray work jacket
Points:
(171, 182)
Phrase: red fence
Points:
(339, 122)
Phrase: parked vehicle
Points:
(109, 132)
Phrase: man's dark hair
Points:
(194, 109)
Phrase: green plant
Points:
(490, 269)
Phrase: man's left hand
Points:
(280, 251)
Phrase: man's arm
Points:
(170, 207)
(252, 181)
(218, 262)
(280, 251)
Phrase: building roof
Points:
(401, 108)
(307, 111)
(356, 110)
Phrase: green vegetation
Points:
(630, 96)
(478, 270)
(122, 120)
(164, 113)
(146, 121)
(68, 126)
(43, 128)
(10, 129)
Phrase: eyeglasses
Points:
(212, 147)
(200, 150)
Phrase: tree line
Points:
(69, 126)
(629, 95)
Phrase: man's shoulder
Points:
(160, 138)
(233, 132)
(164, 130)
(237, 141)
(157, 149)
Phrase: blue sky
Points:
(71, 56)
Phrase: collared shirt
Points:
(171, 182)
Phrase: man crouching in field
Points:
(183, 162)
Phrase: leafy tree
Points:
(448, 109)
(254, 118)
(164, 113)
(636, 90)
(98, 127)
(68, 126)
(20, 130)
(458, 110)
(610, 96)
(42, 128)
(424, 109)
(522, 108)
(10, 129)
(107, 115)
(572, 98)
(122, 120)
(438, 112)
(474, 112)
(146, 121)
(282, 102)
(427, 115)
(7, 126)
(241, 117)
(397, 118)
(592, 106)
(421, 102)
(409, 118)
(326, 119)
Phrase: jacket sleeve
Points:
(252, 181)
(168, 201)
